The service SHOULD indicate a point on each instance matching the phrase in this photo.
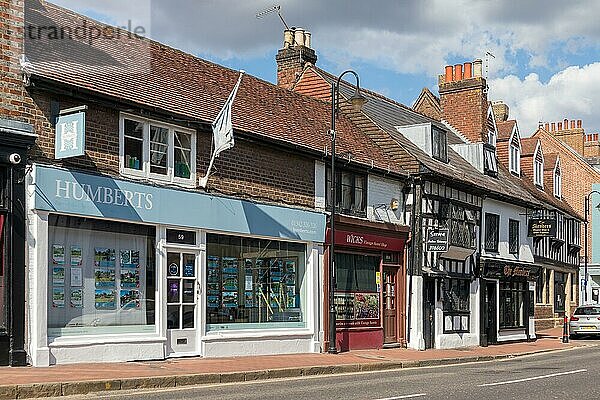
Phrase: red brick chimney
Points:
(12, 90)
(463, 99)
(569, 132)
(291, 59)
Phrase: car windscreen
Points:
(587, 311)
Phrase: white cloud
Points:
(571, 93)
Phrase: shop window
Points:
(512, 304)
(102, 277)
(3, 308)
(513, 236)
(351, 192)
(456, 305)
(357, 298)
(492, 227)
(159, 151)
(254, 283)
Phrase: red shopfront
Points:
(370, 284)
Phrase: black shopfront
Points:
(16, 139)
(507, 301)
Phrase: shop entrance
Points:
(489, 307)
(390, 316)
(429, 312)
(182, 302)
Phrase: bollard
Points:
(565, 337)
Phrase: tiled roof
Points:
(389, 114)
(145, 72)
(528, 146)
(505, 129)
(550, 161)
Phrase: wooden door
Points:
(390, 305)
(429, 312)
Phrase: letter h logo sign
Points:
(70, 136)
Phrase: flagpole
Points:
(222, 128)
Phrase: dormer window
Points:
(439, 144)
(538, 167)
(491, 127)
(557, 181)
(490, 164)
(514, 153)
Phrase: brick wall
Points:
(464, 105)
(290, 63)
(577, 177)
(249, 170)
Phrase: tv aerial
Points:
(274, 9)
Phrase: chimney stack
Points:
(500, 110)
(463, 99)
(294, 55)
(569, 132)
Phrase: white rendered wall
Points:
(415, 300)
(380, 192)
(458, 340)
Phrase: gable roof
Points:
(157, 77)
(505, 129)
(388, 114)
(528, 146)
(428, 104)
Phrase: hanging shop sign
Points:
(437, 240)
(540, 226)
(70, 134)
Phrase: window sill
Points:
(159, 179)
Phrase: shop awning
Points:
(457, 253)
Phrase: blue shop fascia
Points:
(120, 270)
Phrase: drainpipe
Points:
(415, 183)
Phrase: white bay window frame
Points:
(145, 171)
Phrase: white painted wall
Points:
(320, 186)
(508, 211)
(458, 340)
(380, 192)
(415, 302)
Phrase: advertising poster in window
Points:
(76, 256)
(58, 276)
(76, 298)
(58, 297)
(230, 299)
(129, 258)
(129, 299)
(130, 278)
(104, 257)
(104, 299)
(58, 254)
(213, 282)
(357, 310)
(76, 277)
(104, 277)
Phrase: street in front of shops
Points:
(563, 374)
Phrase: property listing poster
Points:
(229, 282)
(213, 282)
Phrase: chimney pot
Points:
(458, 73)
(566, 123)
(560, 126)
(477, 68)
(578, 123)
(299, 36)
(448, 77)
(553, 127)
(468, 70)
(307, 39)
(288, 38)
(547, 127)
(573, 124)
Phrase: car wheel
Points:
(573, 336)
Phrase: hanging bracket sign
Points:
(437, 239)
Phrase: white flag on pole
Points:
(222, 130)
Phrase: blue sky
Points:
(546, 63)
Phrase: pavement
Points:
(65, 380)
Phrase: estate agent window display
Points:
(101, 277)
(254, 283)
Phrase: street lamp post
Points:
(357, 101)
(585, 244)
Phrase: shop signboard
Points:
(541, 227)
(63, 191)
(367, 241)
(70, 136)
(437, 240)
(510, 271)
